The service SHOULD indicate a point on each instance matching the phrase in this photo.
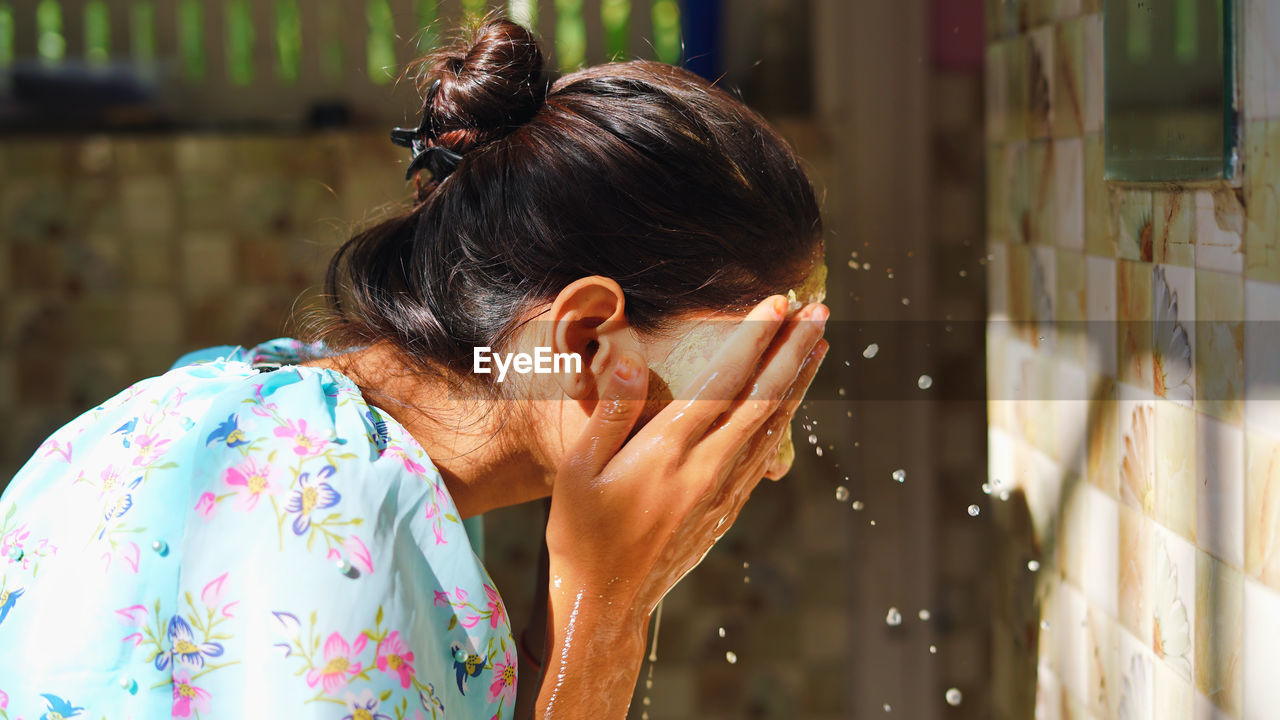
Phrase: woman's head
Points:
(639, 172)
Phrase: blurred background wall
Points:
(174, 175)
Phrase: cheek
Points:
(657, 398)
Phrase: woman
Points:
(277, 531)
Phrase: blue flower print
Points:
(58, 708)
(229, 432)
(183, 648)
(311, 496)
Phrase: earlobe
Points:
(589, 320)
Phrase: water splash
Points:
(871, 351)
(953, 697)
(924, 382)
(924, 614)
(900, 475)
(857, 505)
(893, 618)
(1033, 565)
(720, 632)
(974, 510)
(731, 656)
(842, 493)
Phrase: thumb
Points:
(621, 400)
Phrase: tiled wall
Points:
(117, 254)
(1141, 460)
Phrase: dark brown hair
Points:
(639, 171)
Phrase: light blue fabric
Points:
(220, 542)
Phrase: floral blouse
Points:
(243, 537)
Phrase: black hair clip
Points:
(440, 161)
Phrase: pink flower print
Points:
(13, 539)
(251, 482)
(150, 448)
(442, 599)
(127, 553)
(205, 506)
(497, 613)
(4, 700)
(188, 697)
(338, 664)
(360, 556)
(504, 679)
(439, 535)
(460, 594)
(394, 658)
(304, 444)
(57, 448)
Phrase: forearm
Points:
(595, 649)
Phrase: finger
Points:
(715, 387)
(782, 417)
(775, 375)
(621, 401)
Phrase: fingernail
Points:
(820, 313)
(779, 306)
(625, 369)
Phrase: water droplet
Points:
(745, 564)
(161, 547)
(893, 618)
(974, 510)
(871, 351)
(925, 614)
(646, 701)
(128, 684)
(818, 451)
(986, 489)
(721, 632)
(1044, 624)
(746, 580)
(1004, 495)
(731, 656)
(924, 382)
(857, 505)
(906, 301)
(953, 697)
(813, 439)
(888, 707)
(873, 523)
(648, 684)
(1033, 565)
(343, 566)
(842, 493)
(840, 392)
(866, 266)
(964, 273)
(933, 649)
(900, 475)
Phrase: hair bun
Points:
(491, 82)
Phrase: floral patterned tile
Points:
(1137, 449)
(1262, 195)
(1068, 190)
(1134, 224)
(1103, 679)
(1175, 473)
(1261, 345)
(1068, 81)
(1099, 223)
(1137, 680)
(1220, 345)
(1173, 221)
(1101, 560)
(1133, 329)
(1040, 72)
(1220, 489)
(1261, 66)
(1261, 692)
(1219, 634)
(1173, 602)
(1262, 507)
(1219, 219)
(1173, 331)
(1174, 698)
(1137, 573)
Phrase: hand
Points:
(627, 522)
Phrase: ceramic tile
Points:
(1262, 507)
(1137, 573)
(1133, 315)
(1173, 602)
(1220, 345)
(1072, 662)
(1174, 327)
(1219, 220)
(999, 171)
(1261, 348)
(1173, 216)
(1016, 59)
(1175, 473)
(1100, 300)
(1068, 189)
(1219, 609)
(1134, 223)
(1074, 534)
(1099, 222)
(1103, 428)
(1040, 92)
(998, 286)
(1048, 696)
(1039, 224)
(208, 264)
(1042, 289)
(1206, 710)
(1261, 651)
(1071, 308)
(1137, 450)
(148, 205)
(1262, 200)
(1103, 680)
(1137, 684)
(1068, 81)
(1174, 698)
(1071, 405)
(1101, 560)
(1220, 489)
(996, 90)
(1092, 72)
(1261, 65)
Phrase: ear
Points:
(588, 319)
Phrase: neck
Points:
(487, 451)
